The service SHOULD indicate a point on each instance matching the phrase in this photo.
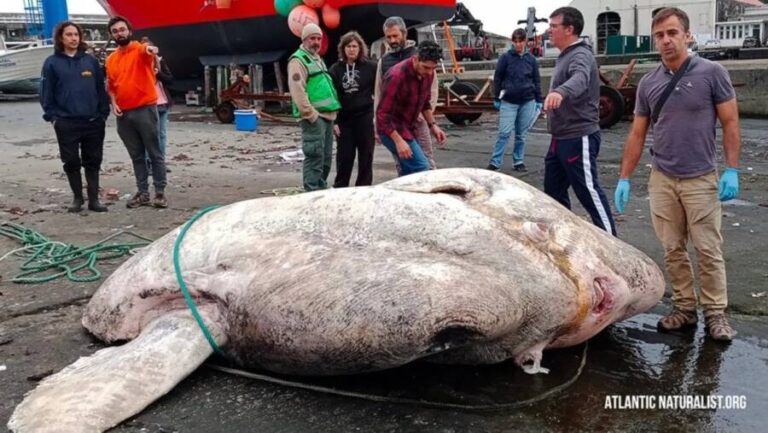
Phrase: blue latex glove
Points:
(497, 104)
(729, 184)
(539, 106)
(621, 196)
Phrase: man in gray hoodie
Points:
(573, 120)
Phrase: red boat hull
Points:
(186, 31)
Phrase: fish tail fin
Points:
(100, 391)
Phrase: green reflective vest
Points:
(320, 90)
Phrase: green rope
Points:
(183, 285)
(47, 260)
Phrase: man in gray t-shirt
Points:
(683, 185)
(684, 135)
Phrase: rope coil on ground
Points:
(47, 260)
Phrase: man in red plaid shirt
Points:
(405, 95)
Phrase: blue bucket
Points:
(246, 120)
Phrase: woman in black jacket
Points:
(354, 76)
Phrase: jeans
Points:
(416, 163)
(517, 118)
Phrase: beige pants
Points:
(683, 209)
(424, 137)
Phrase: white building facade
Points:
(603, 18)
(753, 22)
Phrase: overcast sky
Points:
(498, 16)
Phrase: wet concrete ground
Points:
(40, 331)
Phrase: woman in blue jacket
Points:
(516, 84)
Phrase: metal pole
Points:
(280, 81)
(637, 31)
(434, 35)
(207, 84)
(54, 12)
(220, 75)
(279, 77)
(257, 81)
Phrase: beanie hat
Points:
(310, 29)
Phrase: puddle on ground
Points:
(627, 359)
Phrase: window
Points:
(608, 24)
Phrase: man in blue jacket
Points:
(75, 101)
(518, 99)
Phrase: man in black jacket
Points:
(74, 99)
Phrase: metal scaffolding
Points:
(33, 11)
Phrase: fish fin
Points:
(100, 391)
(434, 182)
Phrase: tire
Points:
(611, 106)
(464, 88)
(225, 112)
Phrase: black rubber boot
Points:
(76, 183)
(92, 177)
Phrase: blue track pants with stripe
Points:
(573, 163)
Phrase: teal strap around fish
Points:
(183, 285)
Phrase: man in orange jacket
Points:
(131, 87)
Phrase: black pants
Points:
(356, 137)
(573, 163)
(81, 144)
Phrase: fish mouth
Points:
(602, 296)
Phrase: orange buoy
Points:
(324, 44)
(314, 3)
(331, 16)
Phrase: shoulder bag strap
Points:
(668, 90)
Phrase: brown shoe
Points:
(160, 200)
(718, 327)
(138, 199)
(678, 319)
